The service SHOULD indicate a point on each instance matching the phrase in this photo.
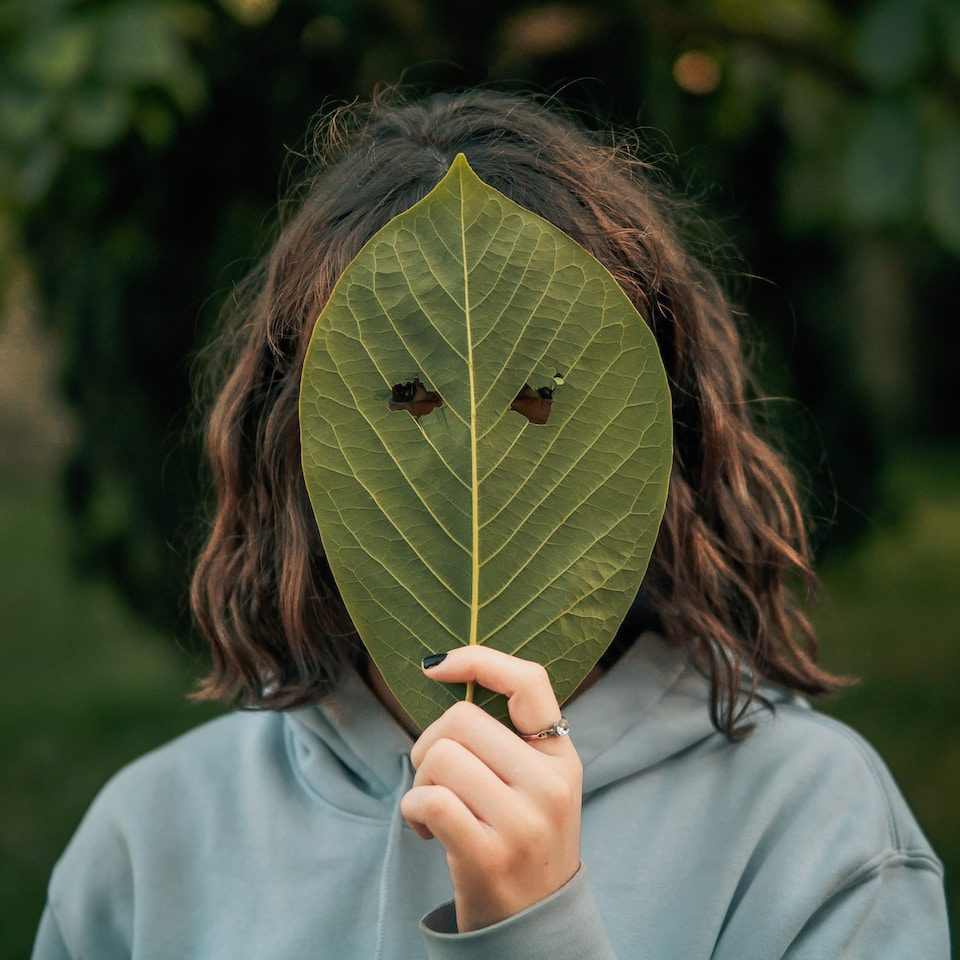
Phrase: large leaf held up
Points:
(449, 514)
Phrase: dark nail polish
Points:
(433, 660)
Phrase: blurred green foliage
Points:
(140, 144)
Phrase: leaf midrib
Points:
(474, 483)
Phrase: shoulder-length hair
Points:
(732, 546)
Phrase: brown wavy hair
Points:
(732, 548)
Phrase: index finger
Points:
(531, 701)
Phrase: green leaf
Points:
(56, 58)
(943, 187)
(947, 25)
(892, 41)
(24, 113)
(881, 165)
(145, 45)
(96, 119)
(471, 523)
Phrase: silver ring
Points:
(560, 729)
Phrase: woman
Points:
(699, 807)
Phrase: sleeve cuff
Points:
(567, 924)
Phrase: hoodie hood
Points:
(650, 705)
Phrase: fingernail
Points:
(433, 660)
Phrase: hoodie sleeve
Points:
(565, 926)
(895, 909)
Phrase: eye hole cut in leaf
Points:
(472, 524)
(535, 405)
(414, 397)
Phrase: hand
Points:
(506, 810)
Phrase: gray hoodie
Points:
(279, 836)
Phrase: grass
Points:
(88, 688)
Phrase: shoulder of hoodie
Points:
(821, 763)
(216, 755)
(159, 808)
(199, 770)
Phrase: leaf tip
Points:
(461, 169)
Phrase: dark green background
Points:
(143, 149)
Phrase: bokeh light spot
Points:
(251, 12)
(696, 72)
